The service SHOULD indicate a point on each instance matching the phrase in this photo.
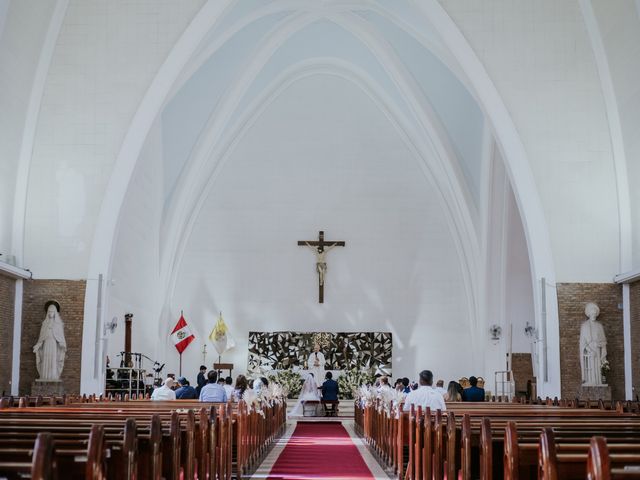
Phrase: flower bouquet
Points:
(289, 381)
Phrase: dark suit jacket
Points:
(186, 393)
(330, 390)
(473, 394)
(202, 381)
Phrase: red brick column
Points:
(7, 305)
(634, 298)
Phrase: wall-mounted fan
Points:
(111, 325)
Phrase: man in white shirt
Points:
(228, 387)
(425, 396)
(164, 392)
(384, 386)
(440, 387)
(212, 392)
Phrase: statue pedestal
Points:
(594, 392)
(47, 388)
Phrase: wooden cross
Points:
(321, 248)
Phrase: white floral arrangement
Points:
(366, 395)
(253, 401)
(290, 382)
(351, 380)
(390, 398)
(276, 393)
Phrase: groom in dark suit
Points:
(330, 389)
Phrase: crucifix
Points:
(320, 248)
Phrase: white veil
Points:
(309, 392)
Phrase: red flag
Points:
(181, 335)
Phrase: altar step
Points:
(345, 409)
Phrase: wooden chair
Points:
(330, 407)
(310, 408)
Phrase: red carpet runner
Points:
(320, 450)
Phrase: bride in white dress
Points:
(309, 392)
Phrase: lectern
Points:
(223, 366)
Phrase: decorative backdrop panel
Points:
(342, 350)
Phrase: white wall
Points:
(507, 280)
(619, 28)
(518, 288)
(106, 56)
(540, 59)
(135, 283)
(23, 26)
(322, 156)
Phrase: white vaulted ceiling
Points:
(256, 45)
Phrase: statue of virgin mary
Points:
(51, 347)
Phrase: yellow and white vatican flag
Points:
(220, 336)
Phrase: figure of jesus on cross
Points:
(320, 248)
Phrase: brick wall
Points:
(70, 295)
(572, 298)
(634, 297)
(522, 368)
(7, 300)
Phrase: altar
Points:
(272, 352)
(302, 372)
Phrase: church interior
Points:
(281, 190)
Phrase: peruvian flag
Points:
(181, 335)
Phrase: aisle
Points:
(321, 450)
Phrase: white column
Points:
(17, 338)
(626, 324)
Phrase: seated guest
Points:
(212, 392)
(398, 385)
(384, 384)
(453, 392)
(473, 393)
(440, 387)
(405, 383)
(265, 382)
(164, 392)
(241, 386)
(330, 389)
(202, 379)
(257, 385)
(425, 395)
(186, 391)
(228, 387)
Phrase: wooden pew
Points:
(41, 466)
(470, 439)
(599, 465)
(602, 458)
(217, 443)
(80, 459)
